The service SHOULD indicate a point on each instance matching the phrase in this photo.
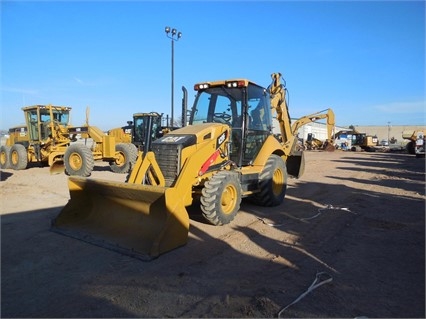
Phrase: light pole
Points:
(389, 132)
(175, 36)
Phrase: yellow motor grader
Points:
(49, 139)
(227, 152)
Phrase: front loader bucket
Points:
(57, 167)
(142, 221)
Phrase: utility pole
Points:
(174, 35)
(389, 132)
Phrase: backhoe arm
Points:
(278, 103)
(315, 117)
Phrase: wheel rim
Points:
(120, 160)
(3, 158)
(277, 181)
(14, 157)
(75, 161)
(228, 199)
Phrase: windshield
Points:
(219, 105)
(59, 115)
(225, 105)
(141, 127)
(246, 109)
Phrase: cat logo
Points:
(221, 139)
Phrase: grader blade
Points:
(142, 221)
(57, 167)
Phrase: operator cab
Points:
(39, 117)
(241, 104)
(146, 124)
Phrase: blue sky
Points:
(364, 59)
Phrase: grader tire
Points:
(18, 157)
(128, 154)
(5, 157)
(221, 198)
(78, 160)
(272, 183)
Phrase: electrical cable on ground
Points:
(320, 211)
(315, 284)
(328, 206)
(270, 224)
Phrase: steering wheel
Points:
(222, 118)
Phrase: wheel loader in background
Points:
(227, 152)
(52, 141)
(136, 131)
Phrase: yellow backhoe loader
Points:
(226, 153)
(49, 139)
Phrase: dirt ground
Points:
(355, 219)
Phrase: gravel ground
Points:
(355, 220)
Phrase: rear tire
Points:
(78, 160)
(18, 157)
(272, 182)
(221, 198)
(5, 157)
(126, 159)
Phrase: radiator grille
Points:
(168, 158)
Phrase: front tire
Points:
(127, 155)
(78, 160)
(221, 198)
(5, 157)
(272, 182)
(18, 157)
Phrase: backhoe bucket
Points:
(142, 221)
(296, 165)
(57, 167)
